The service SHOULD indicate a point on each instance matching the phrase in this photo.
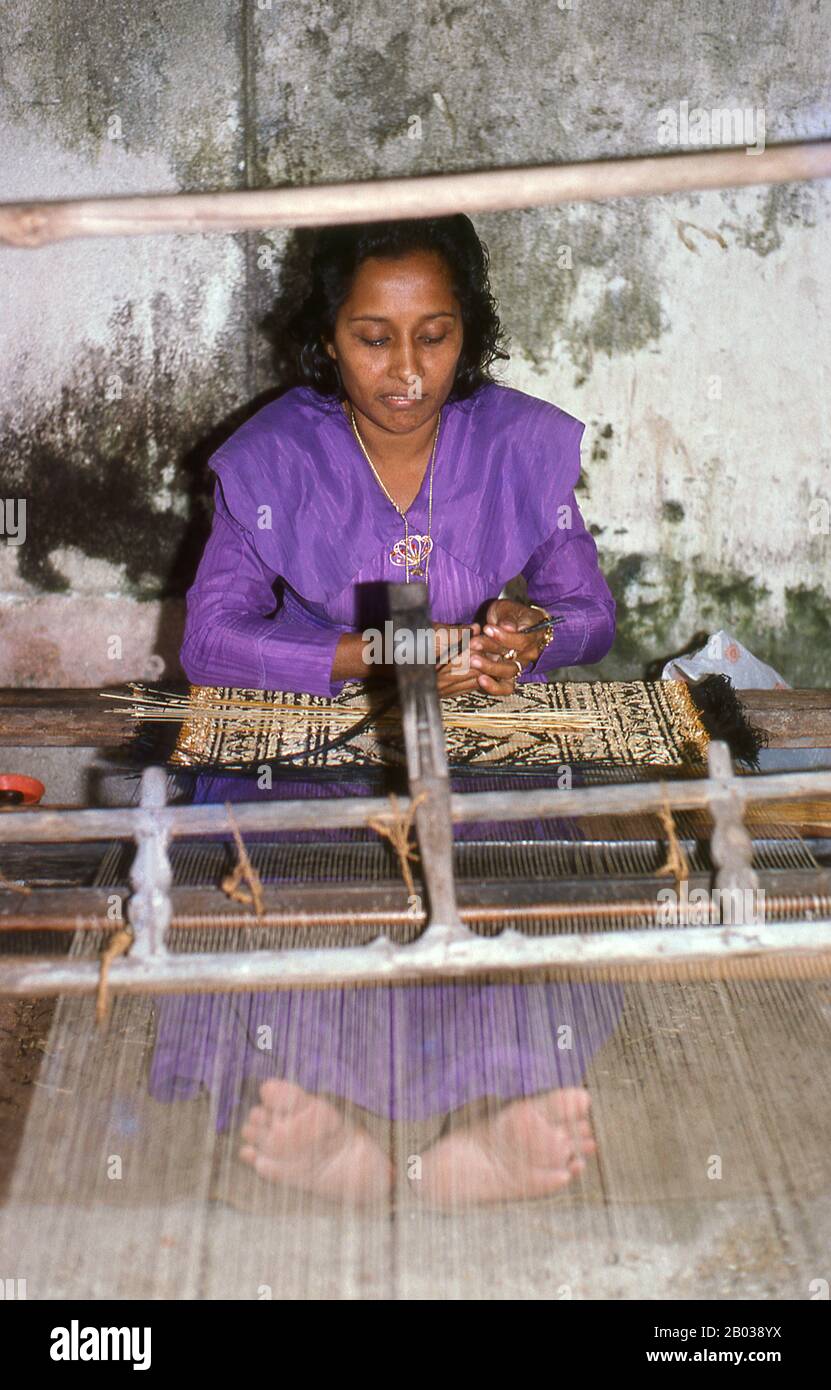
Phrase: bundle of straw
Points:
(168, 707)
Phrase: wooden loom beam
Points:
(79, 718)
(380, 903)
(663, 952)
(36, 223)
(29, 826)
(427, 771)
(447, 948)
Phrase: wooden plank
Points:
(67, 718)
(77, 718)
(791, 718)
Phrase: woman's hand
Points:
(495, 672)
(503, 623)
(481, 663)
(454, 647)
(467, 658)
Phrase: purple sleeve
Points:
(232, 634)
(564, 577)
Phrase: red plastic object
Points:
(30, 788)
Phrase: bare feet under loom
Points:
(529, 1148)
(303, 1141)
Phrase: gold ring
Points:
(518, 665)
(510, 656)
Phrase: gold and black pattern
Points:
(628, 723)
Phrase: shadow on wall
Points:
(115, 474)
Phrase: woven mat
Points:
(628, 723)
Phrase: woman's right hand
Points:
(480, 664)
(456, 644)
(454, 673)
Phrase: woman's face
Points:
(397, 339)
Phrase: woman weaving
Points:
(399, 458)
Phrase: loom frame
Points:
(446, 947)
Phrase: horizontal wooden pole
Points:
(798, 718)
(441, 953)
(62, 718)
(37, 223)
(79, 718)
(39, 826)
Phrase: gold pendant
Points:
(411, 553)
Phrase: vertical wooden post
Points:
(426, 758)
(731, 847)
(150, 909)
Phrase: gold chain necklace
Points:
(413, 552)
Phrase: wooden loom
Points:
(446, 944)
(584, 910)
(563, 917)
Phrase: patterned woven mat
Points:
(628, 723)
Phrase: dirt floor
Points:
(24, 1030)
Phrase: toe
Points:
(570, 1105)
(541, 1182)
(258, 1117)
(266, 1168)
(283, 1097)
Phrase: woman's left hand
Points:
(496, 671)
(502, 634)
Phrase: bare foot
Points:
(301, 1140)
(530, 1148)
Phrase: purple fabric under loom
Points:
(408, 1052)
(298, 555)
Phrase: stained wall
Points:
(689, 332)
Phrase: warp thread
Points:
(243, 871)
(396, 828)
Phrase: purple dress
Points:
(298, 555)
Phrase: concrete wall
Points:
(687, 331)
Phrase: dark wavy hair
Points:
(337, 254)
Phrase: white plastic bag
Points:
(725, 655)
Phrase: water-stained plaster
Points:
(699, 503)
